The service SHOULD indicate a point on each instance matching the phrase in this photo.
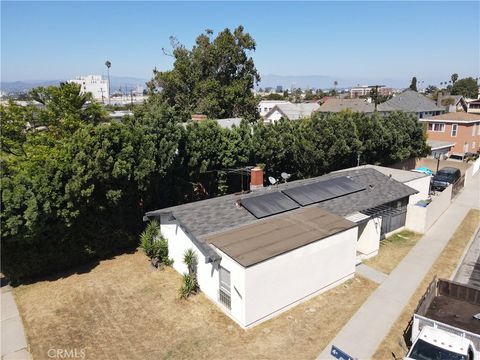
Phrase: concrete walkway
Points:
(14, 344)
(361, 336)
(371, 273)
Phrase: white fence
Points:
(420, 219)
(472, 170)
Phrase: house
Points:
(291, 111)
(354, 105)
(264, 106)
(410, 101)
(473, 107)
(459, 128)
(250, 246)
(229, 122)
(452, 103)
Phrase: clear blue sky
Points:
(57, 40)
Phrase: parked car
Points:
(445, 177)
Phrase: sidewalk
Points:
(14, 344)
(361, 336)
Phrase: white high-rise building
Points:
(95, 84)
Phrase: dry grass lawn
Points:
(392, 250)
(122, 309)
(443, 267)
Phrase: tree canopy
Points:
(214, 78)
(467, 87)
(413, 84)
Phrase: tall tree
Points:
(413, 84)
(466, 87)
(454, 78)
(214, 78)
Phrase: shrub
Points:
(189, 287)
(190, 259)
(154, 245)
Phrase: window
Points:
(224, 291)
(454, 130)
(473, 145)
(436, 127)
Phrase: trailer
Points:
(447, 321)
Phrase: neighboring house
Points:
(229, 122)
(291, 111)
(473, 107)
(264, 106)
(355, 105)
(440, 149)
(95, 84)
(263, 252)
(452, 103)
(412, 102)
(462, 129)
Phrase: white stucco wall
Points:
(471, 171)
(207, 274)
(422, 185)
(420, 219)
(266, 289)
(369, 240)
(277, 284)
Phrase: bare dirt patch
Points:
(443, 267)
(122, 309)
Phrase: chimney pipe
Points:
(256, 178)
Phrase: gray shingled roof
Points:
(222, 213)
(355, 105)
(294, 111)
(410, 101)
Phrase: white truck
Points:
(446, 324)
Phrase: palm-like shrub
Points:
(189, 287)
(154, 245)
(190, 259)
(190, 283)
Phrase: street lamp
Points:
(108, 64)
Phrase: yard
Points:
(392, 250)
(122, 309)
(444, 266)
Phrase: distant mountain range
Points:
(116, 82)
(268, 80)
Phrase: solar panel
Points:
(323, 190)
(269, 204)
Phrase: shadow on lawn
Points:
(76, 270)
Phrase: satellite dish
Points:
(272, 180)
(285, 176)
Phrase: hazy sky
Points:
(58, 40)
